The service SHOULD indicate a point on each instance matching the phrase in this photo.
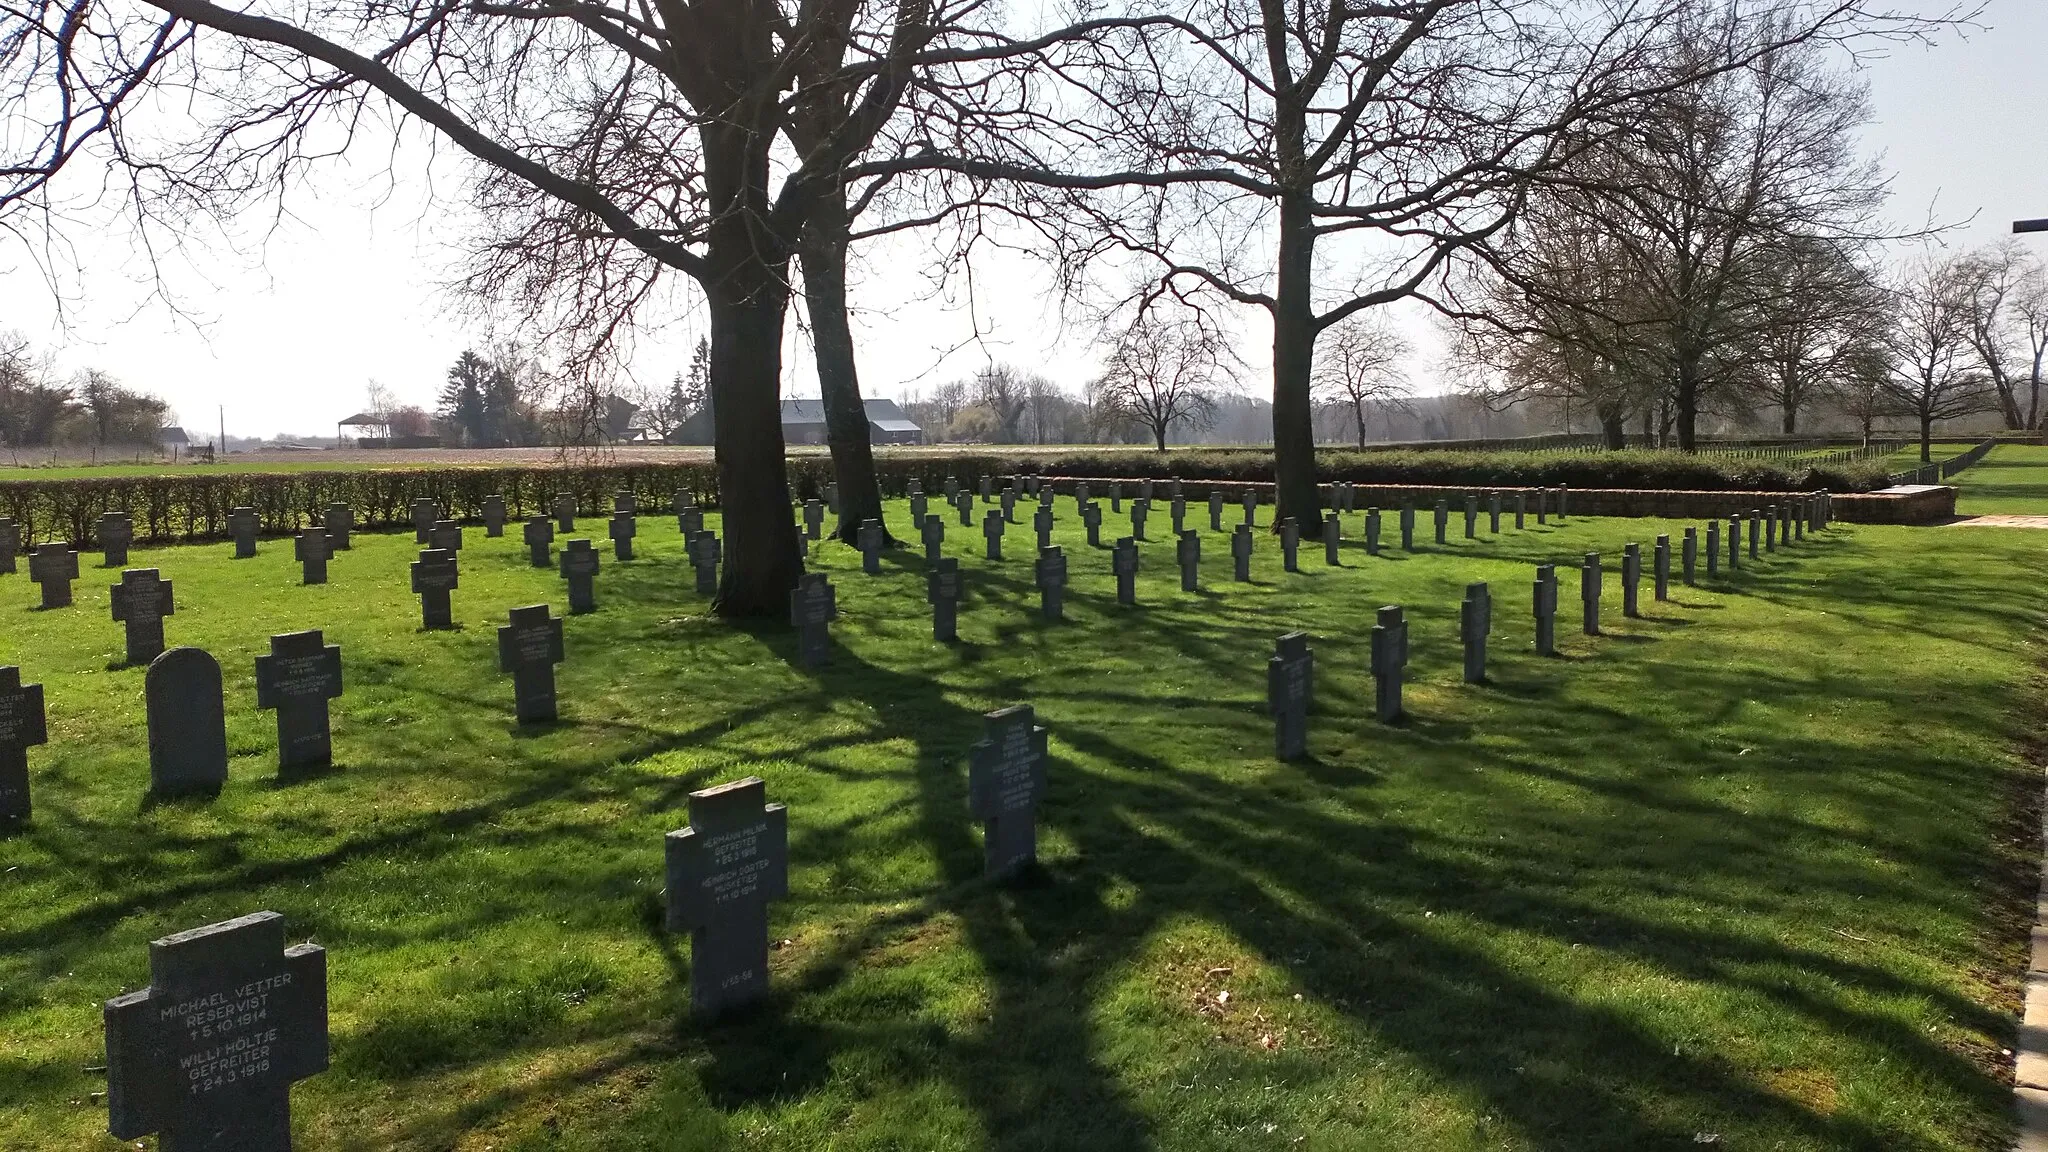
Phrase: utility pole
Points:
(223, 409)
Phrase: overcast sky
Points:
(288, 335)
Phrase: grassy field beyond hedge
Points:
(1752, 872)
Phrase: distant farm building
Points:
(803, 422)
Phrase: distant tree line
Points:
(90, 407)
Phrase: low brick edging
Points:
(1906, 504)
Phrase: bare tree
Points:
(1165, 373)
(2005, 297)
(1358, 366)
(1931, 374)
(1004, 393)
(1818, 315)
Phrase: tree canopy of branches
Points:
(2004, 299)
(1358, 367)
(1162, 373)
(1931, 374)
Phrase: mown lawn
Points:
(1751, 872)
(2012, 480)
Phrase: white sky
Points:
(289, 333)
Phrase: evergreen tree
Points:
(462, 401)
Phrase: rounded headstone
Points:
(188, 736)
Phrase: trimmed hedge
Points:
(195, 505)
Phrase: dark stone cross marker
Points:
(951, 487)
(1009, 503)
(1188, 552)
(625, 502)
(1771, 528)
(621, 528)
(297, 679)
(1475, 623)
(942, 591)
(1660, 569)
(424, 513)
(1407, 526)
(1051, 573)
(1091, 519)
(311, 548)
(494, 516)
(964, 505)
(1564, 494)
(933, 530)
(987, 484)
(242, 525)
(1443, 519)
(1734, 541)
(1116, 496)
(1372, 531)
(919, 509)
(1123, 561)
(1140, 508)
(188, 729)
(1631, 579)
(1251, 506)
(22, 723)
(992, 533)
(1471, 517)
(1545, 604)
(813, 606)
(53, 567)
(1756, 530)
(339, 522)
(140, 602)
(445, 535)
(1041, 521)
(1080, 492)
(1179, 512)
(1145, 491)
(1290, 545)
(1713, 548)
(868, 538)
(690, 522)
(814, 518)
(205, 1057)
(1589, 592)
(1800, 515)
(706, 551)
(1521, 508)
(1215, 511)
(1543, 505)
(1493, 513)
(578, 565)
(1333, 537)
(1290, 693)
(1241, 554)
(434, 578)
(721, 873)
(1389, 661)
(1005, 782)
(565, 512)
(539, 535)
(116, 531)
(832, 498)
(1689, 554)
(529, 647)
(10, 545)
(683, 498)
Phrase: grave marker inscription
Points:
(297, 679)
(942, 591)
(722, 871)
(1005, 782)
(1051, 574)
(116, 531)
(445, 535)
(23, 723)
(705, 552)
(1389, 660)
(434, 580)
(579, 565)
(813, 606)
(53, 566)
(539, 535)
(140, 602)
(529, 647)
(622, 528)
(1290, 694)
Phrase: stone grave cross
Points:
(1091, 519)
(1689, 553)
(813, 605)
(434, 579)
(1041, 520)
(311, 548)
(10, 545)
(1051, 573)
(1290, 693)
(205, 1057)
(942, 591)
(1215, 511)
(868, 537)
(53, 567)
(116, 531)
(933, 530)
(242, 525)
(814, 518)
(1475, 623)
(1333, 537)
(565, 512)
(22, 724)
(1188, 553)
(1372, 531)
(1005, 783)
(1660, 568)
(706, 552)
(1290, 545)
(1389, 661)
(529, 647)
(579, 566)
(1123, 560)
(494, 515)
(722, 871)
(1241, 554)
(992, 532)
(339, 521)
(539, 535)
(297, 678)
(1545, 603)
(622, 527)
(1589, 592)
(1631, 580)
(445, 535)
(424, 514)
(140, 602)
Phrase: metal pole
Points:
(2030, 226)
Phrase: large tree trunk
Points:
(1926, 436)
(823, 256)
(1791, 423)
(1687, 397)
(1613, 432)
(1294, 336)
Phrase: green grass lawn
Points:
(2012, 480)
(1756, 866)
